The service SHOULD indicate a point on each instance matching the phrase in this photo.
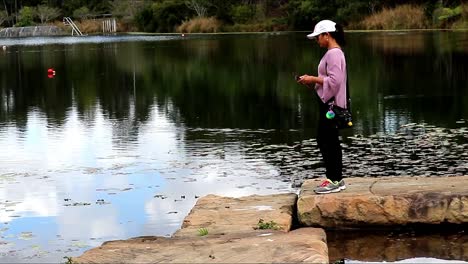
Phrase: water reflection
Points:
(74, 186)
(421, 79)
(398, 245)
(131, 131)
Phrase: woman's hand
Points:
(309, 79)
(305, 79)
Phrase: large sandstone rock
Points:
(224, 215)
(305, 245)
(386, 201)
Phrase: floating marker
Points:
(50, 73)
(330, 114)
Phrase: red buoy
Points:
(51, 73)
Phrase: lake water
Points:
(131, 130)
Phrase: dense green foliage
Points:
(166, 15)
(162, 16)
(26, 16)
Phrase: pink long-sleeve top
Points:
(332, 68)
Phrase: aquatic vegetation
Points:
(69, 260)
(77, 204)
(414, 149)
(26, 236)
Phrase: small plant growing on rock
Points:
(69, 260)
(267, 225)
(202, 231)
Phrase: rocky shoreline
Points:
(233, 230)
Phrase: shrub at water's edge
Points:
(401, 17)
(462, 13)
(200, 25)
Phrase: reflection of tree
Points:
(426, 83)
(393, 246)
(399, 42)
(24, 79)
(228, 81)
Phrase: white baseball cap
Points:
(322, 27)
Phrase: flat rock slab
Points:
(225, 215)
(386, 201)
(305, 245)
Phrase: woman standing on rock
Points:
(330, 85)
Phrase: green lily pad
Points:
(26, 236)
(79, 244)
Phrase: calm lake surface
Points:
(131, 130)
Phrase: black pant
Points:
(329, 144)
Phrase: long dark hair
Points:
(338, 35)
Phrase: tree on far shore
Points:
(46, 13)
(199, 6)
(3, 16)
